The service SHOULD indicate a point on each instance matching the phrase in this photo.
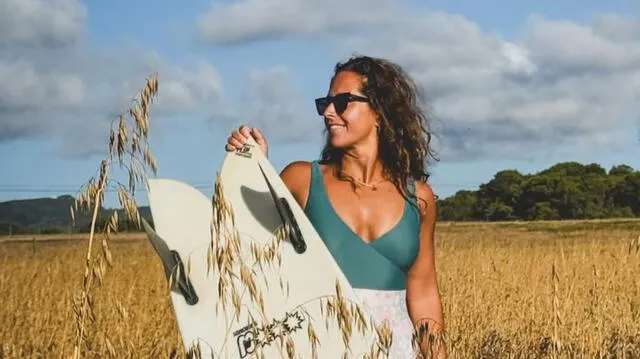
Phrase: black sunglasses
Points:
(340, 102)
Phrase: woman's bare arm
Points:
(423, 296)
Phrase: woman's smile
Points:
(335, 129)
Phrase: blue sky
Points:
(512, 86)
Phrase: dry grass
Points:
(501, 299)
(133, 312)
(513, 291)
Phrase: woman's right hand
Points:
(239, 137)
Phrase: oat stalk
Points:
(127, 137)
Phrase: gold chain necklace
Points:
(373, 186)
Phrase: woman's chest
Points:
(368, 213)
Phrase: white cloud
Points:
(516, 59)
(25, 87)
(37, 99)
(185, 88)
(69, 93)
(272, 102)
(562, 84)
(252, 20)
(28, 97)
(40, 22)
(569, 45)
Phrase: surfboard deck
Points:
(240, 286)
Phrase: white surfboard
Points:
(278, 297)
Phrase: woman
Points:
(367, 196)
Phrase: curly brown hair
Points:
(404, 138)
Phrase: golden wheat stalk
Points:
(557, 318)
(129, 138)
(634, 246)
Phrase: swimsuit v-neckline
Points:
(382, 263)
(335, 213)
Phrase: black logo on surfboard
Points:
(245, 151)
(252, 336)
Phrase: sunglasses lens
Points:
(321, 105)
(340, 102)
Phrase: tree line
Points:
(567, 190)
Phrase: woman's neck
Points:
(362, 163)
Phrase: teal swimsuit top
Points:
(382, 264)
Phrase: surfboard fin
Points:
(287, 217)
(184, 283)
(171, 262)
(297, 240)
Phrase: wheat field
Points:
(523, 290)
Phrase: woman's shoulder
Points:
(296, 169)
(426, 197)
(297, 177)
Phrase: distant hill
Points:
(49, 215)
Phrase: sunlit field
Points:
(510, 290)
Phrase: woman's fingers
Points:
(239, 137)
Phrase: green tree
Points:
(541, 188)
(626, 193)
(620, 171)
(544, 211)
(459, 207)
(566, 190)
(502, 191)
(498, 211)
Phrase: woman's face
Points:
(357, 123)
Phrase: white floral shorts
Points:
(391, 305)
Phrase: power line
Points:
(67, 190)
(69, 187)
(55, 189)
